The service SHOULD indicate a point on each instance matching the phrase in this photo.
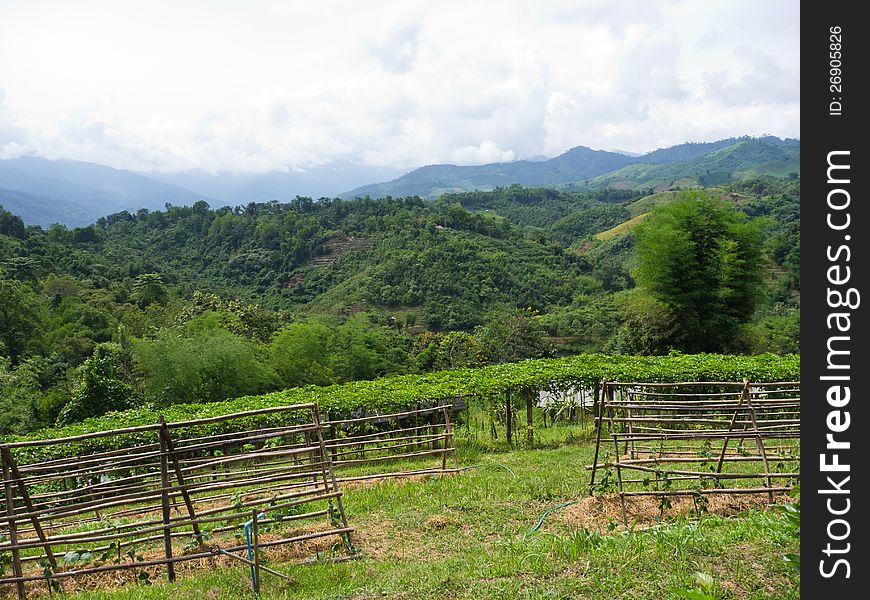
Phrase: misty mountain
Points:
(241, 188)
(78, 193)
(433, 180)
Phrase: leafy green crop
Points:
(391, 394)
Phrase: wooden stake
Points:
(508, 417)
(13, 531)
(255, 535)
(530, 436)
(22, 488)
(166, 440)
(164, 505)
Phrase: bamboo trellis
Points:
(423, 436)
(144, 492)
(670, 439)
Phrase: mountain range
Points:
(74, 193)
(582, 168)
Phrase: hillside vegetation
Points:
(198, 304)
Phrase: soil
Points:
(597, 512)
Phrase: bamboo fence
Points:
(155, 495)
(697, 438)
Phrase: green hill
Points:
(736, 162)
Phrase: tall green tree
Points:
(148, 288)
(700, 260)
(21, 312)
(513, 336)
(300, 354)
(19, 397)
(202, 365)
(101, 387)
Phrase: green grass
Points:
(620, 229)
(468, 536)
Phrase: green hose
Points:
(506, 468)
(547, 512)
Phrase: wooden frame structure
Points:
(676, 439)
(155, 495)
(166, 485)
(382, 440)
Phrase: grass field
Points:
(470, 536)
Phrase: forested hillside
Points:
(200, 304)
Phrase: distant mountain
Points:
(582, 167)
(317, 182)
(77, 193)
(433, 180)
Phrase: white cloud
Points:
(268, 84)
(487, 151)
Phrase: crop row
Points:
(392, 394)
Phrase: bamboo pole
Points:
(746, 491)
(13, 533)
(759, 443)
(598, 420)
(175, 559)
(9, 460)
(170, 447)
(164, 505)
(508, 418)
(249, 563)
(391, 416)
(707, 474)
(255, 535)
(88, 536)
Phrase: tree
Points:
(514, 336)
(100, 388)
(700, 260)
(300, 355)
(19, 397)
(454, 350)
(203, 365)
(11, 224)
(21, 312)
(148, 289)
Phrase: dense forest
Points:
(194, 304)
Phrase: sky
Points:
(266, 85)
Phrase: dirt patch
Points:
(286, 553)
(597, 512)
(367, 483)
(438, 522)
(385, 540)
